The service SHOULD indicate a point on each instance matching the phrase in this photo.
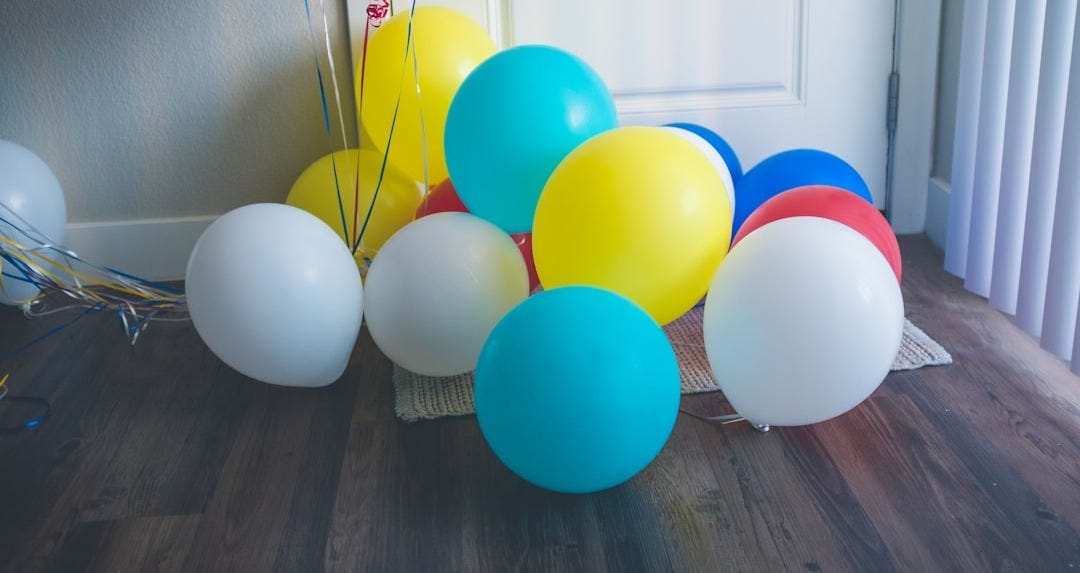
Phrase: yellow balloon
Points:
(636, 210)
(448, 45)
(315, 192)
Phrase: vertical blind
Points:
(1014, 210)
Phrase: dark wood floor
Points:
(159, 457)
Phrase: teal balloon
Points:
(577, 389)
(514, 118)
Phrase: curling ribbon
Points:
(326, 113)
(393, 123)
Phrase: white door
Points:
(767, 75)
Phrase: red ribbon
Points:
(377, 11)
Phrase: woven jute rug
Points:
(418, 397)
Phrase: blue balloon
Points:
(718, 143)
(514, 118)
(577, 389)
(791, 169)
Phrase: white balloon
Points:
(30, 189)
(802, 322)
(437, 288)
(714, 157)
(276, 295)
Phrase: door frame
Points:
(915, 56)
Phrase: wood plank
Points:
(138, 544)
(272, 502)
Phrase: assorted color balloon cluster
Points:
(553, 248)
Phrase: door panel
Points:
(677, 59)
(767, 75)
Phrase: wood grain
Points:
(159, 457)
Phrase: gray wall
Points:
(948, 71)
(166, 108)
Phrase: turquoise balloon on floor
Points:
(512, 121)
(577, 389)
(791, 169)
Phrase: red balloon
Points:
(443, 198)
(524, 243)
(834, 203)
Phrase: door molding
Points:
(918, 35)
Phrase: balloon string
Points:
(29, 267)
(333, 77)
(41, 403)
(420, 112)
(33, 259)
(722, 419)
(22, 257)
(50, 332)
(725, 419)
(376, 12)
(337, 98)
(326, 117)
(390, 136)
(360, 115)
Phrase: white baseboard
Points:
(158, 249)
(155, 249)
(937, 210)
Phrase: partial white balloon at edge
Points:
(29, 188)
